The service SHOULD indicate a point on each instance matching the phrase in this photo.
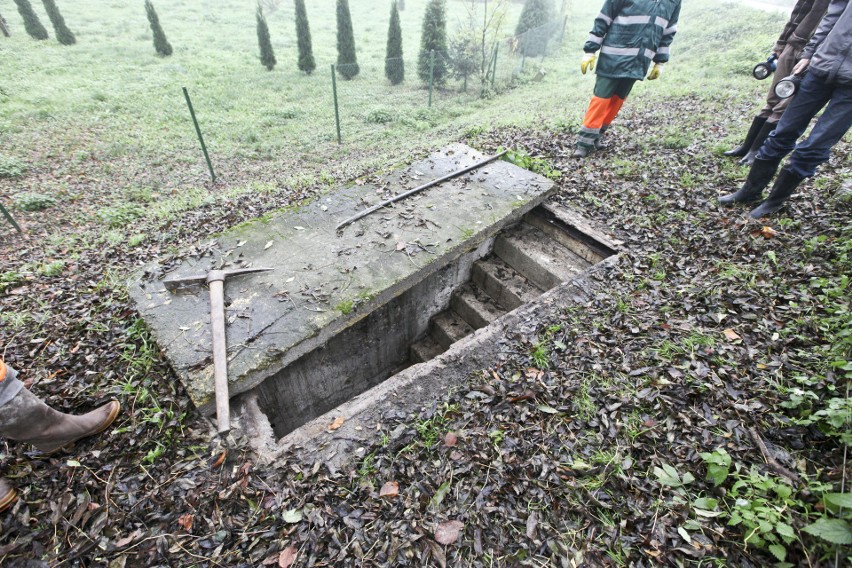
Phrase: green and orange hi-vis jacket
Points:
(631, 34)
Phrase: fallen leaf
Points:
(768, 232)
(218, 460)
(338, 422)
(731, 335)
(448, 532)
(287, 557)
(185, 521)
(292, 516)
(450, 439)
(389, 489)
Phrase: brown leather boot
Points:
(27, 419)
(8, 495)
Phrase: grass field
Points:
(109, 109)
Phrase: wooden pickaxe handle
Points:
(220, 356)
(215, 280)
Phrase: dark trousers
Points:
(814, 94)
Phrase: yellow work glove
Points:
(656, 71)
(588, 62)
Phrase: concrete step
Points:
(572, 231)
(475, 306)
(448, 327)
(539, 258)
(503, 283)
(424, 350)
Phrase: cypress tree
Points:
(161, 44)
(4, 27)
(394, 66)
(347, 61)
(31, 22)
(433, 38)
(535, 14)
(63, 34)
(303, 38)
(267, 56)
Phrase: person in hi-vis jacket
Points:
(629, 35)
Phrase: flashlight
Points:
(763, 70)
(787, 87)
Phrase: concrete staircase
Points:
(529, 258)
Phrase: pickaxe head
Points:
(174, 284)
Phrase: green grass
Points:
(110, 109)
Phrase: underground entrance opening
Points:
(546, 248)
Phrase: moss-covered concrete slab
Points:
(325, 280)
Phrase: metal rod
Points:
(336, 110)
(419, 188)
(198, 131)
(10, 218)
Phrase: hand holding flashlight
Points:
(801, 66)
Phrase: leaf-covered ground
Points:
(581, 445)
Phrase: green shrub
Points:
(394, 65)
(379, 116)
(161, 44)
(433, 38)
(347, 61)
(267, 55)
(33, 201)
(303, 39)
(120, 215)
(32, 24)
(11, 167)
(63, 34)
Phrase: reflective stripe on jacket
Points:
(630, 34)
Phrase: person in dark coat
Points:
(798, 31)
(827, 87)
(630, 36)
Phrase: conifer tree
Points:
(63, 34)
(161, 44)
(31, 22)
(267, 55)
(433, 38)
(347, 61)
(535, 14)
(4, 27)
(394, 66)
(303, 38)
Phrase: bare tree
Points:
(476, 37)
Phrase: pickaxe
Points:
(215, 280)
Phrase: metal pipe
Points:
(10, 218)
(198, 131)
(419, 188)
(336, 110)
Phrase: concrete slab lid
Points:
(324, 280)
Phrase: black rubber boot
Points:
(743, 148)
(600, 143)
(759, 176)
(761, 137)
(784, 187)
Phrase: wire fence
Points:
(368, 95)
